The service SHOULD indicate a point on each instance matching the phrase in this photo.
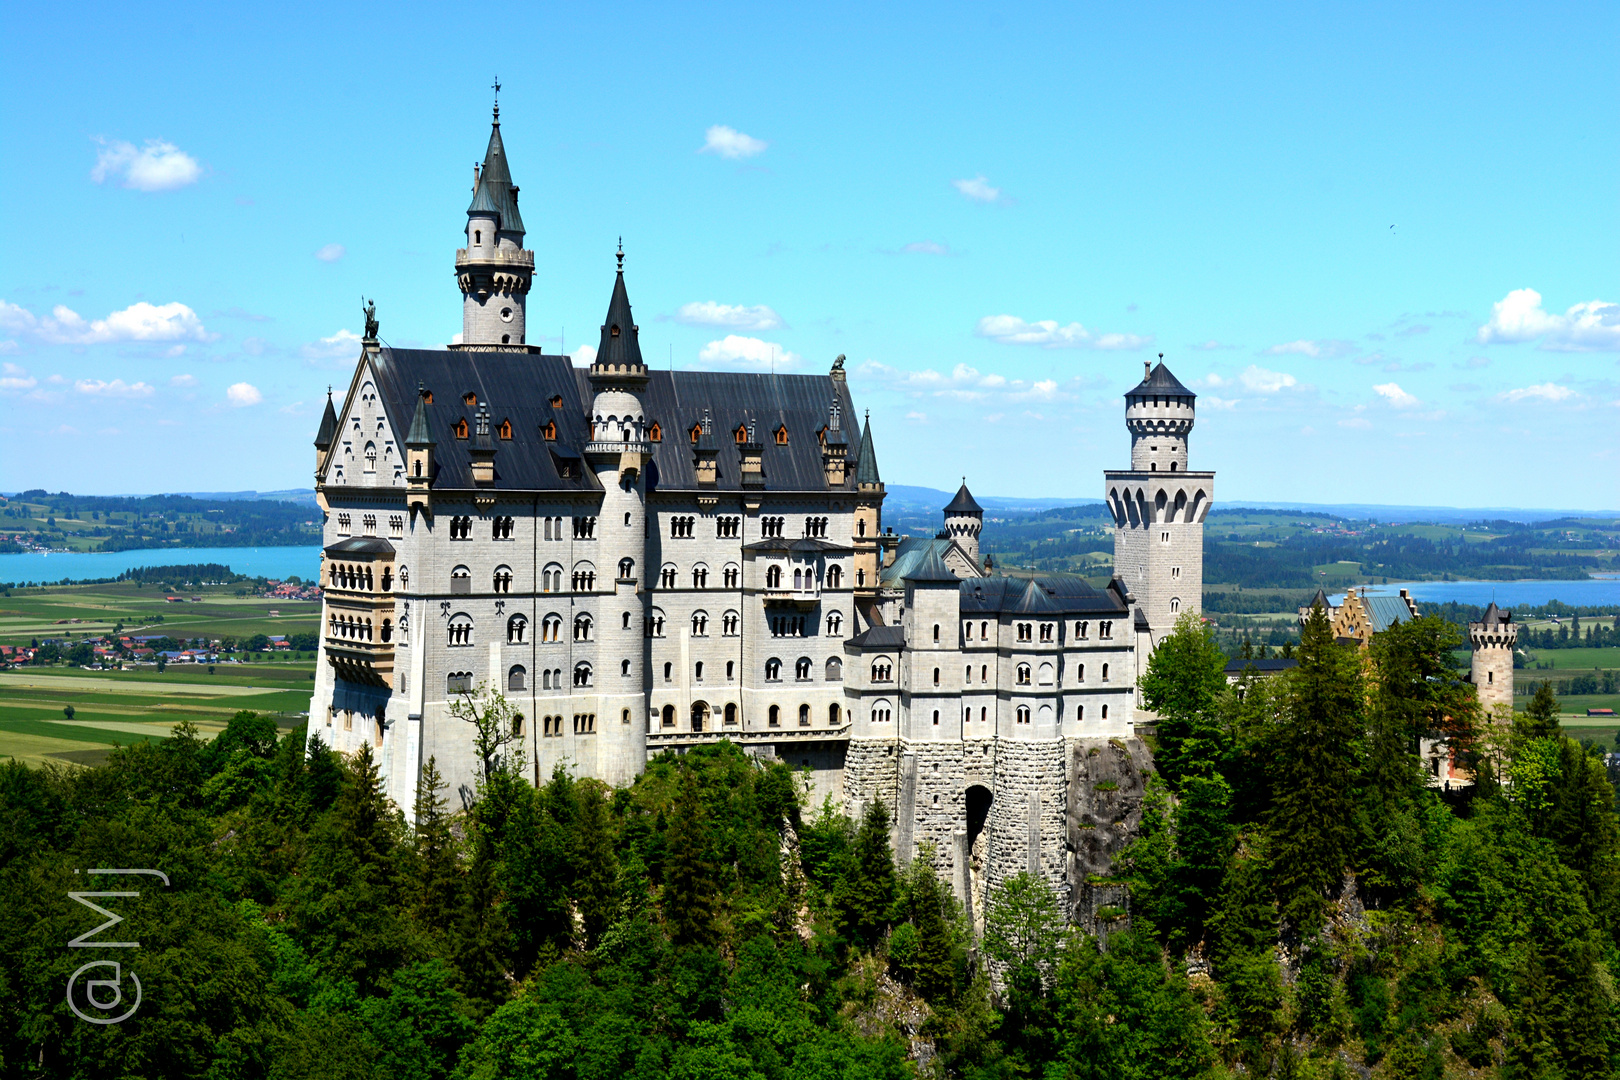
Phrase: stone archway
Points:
(978, 800)
(700, 715)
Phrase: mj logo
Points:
(106, 994)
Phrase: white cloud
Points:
(1547, 391)
(239, 394)
(1261, 381)
(584, 356)
(964, 383)
(15, 379)
(1011, 330)
(117, 388)
(157, 166)
(978, 189)
(917, 417)
(1397, 397)
(926, 247)
(183, 380)
(138, 322)
(343, 345)
(1212, 402)
(1587, 327)
(730, 143)
(749, 353)
(1356, 422)
(331, 252)
(1304, 347)
(736, 316)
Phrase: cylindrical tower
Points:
(618, 452)
(493, 270)
(1493, 640)
(1159, 418)
(964, 520)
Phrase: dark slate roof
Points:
(625, 347)
(1068, 594)
(1160, 381)
(676, 400)
(519, 387)
(879, 637)
(328, 431)
(1035, 601)
(931, 568)
(495, 192)
(1495, 616)
(866, 466)
(516, 386)
(361, 545)
(963, 503)
(835, 429)
(1319, 600)
(910, 554)
(1269, 666)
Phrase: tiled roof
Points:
(963, 503)
(1385, 611)
(931, 568)
(1160, 381)
(361, 545)
(879, 637)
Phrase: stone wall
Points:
(1027, 817)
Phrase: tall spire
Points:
(421, 434)
(866, 469)
(329, 425)
(620, 345)
(496, 196)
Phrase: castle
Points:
(644, 561)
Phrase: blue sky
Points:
(997, 212)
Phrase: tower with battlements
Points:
(1493, 639)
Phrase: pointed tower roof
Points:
(866, 469)
(329, 425)
(495, 194)
(420, 434)
(963, 503)
(1158, 380)
(1035, 601)
(620, 345)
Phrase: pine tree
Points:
(1540, 716)
(436, 863)
(1311, 826)
(1185, 679)
(691, 898)
(865, 893)
(596, 866)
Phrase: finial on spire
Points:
(621, 255)
(497, 101)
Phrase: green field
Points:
(119, 707)
(1572, 660)
(49, 612)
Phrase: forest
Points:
(37, 518)
(1301, 904)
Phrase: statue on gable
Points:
(370, 312)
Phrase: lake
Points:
(1509, 594)
(273, 562)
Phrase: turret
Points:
(617, 451)
(326, 435)
(1159, 415)
(419, 457)
(482, 450)
(868, 514)
(964, 519)
(493, 270)
(1493, 640)
(835, 448)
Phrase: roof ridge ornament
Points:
(620, 256)
(497, 101)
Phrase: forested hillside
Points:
(1302, 905)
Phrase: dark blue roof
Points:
(963, 503)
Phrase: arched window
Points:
(387, 630)
(936, 676)
(860, 577)
(729, 623)
(835, 669)
(624, 668)
(834, 714)
(835, 624)
(773, 577)
(731, 712)
(460, 581)
(667, 717)
(1023, 674)
(582, 674)
(697, 671)
(669, 670)
(517, 678)
(804, 716)
(776, 716)
(700, 624)
(460, 630)
(730, 575)
(835, 577)
(582, 627)
(1047, 674)
(700, 576)
(1023, 714)
(1105, 712)
(1105, 673)
(458, 682)
(627, 569)
(1175, 604)
(773, 670)
(517, 630)
(882, 670)
(731, 670)
(801, 669)
(936, 631)
(881, 712)
(1080, 712)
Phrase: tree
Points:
(1023, 931)
(1540, 716)
(436, 865)
(865, 892)
(1311, 824)
(491, 716)
(691, 897)
(1185, 678)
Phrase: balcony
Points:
(799, 599)
(496, 256)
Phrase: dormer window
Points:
(781, 435)
(506, 430)
(556, 401)
(741, 434)
(461, 428)
(470, 400)
(550, 431)
(613, 331)
(697, 429)
(427, 396)
(655, 433)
